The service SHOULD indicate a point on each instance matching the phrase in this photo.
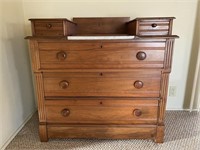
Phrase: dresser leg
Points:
(43, 133)
(159, 134)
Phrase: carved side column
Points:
(39, 89)
(164, 90)
(41, 107)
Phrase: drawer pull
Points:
(154, 25)
(61, 55)
(64, 84)
(138, 84)
(65, 112)
(141, 55)
(49, 26)
(137, 112)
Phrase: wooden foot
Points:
(43, 133)
(159, 134)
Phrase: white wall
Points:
(16, 93)
(183, 10)
(192, 65)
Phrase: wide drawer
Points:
(102, 111)
(136, 83)
(96, 55)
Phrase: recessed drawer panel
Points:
(101, 55)
(103, 112)
(114, 84)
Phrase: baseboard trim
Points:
(16, 131)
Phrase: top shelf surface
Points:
(102, 26)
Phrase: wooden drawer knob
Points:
(61, 55)
(141, 55)
(138, 84)
(49, 26)
(154, 25)
(65, 112)
(64, 84)
(137, 112)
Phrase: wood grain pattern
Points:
(163, 95)
(145, 44)
(101, 55)
(88, 26)
(103, 84)
(48, 28)
(114, 89)
(153, 27)
(52, 27)
(34, 54)
(43, 132)
(164, 80)
(101, 131)
(168, 54)
(159, 138)
(104, 113)
(41, 107)
(40, 97)
(150, 26)
(102, 59)
(104, 101)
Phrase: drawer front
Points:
(105, 55)
(147, 27)
(113, 84)
(49, 28)
(103, 112)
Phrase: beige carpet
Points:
(182, 133)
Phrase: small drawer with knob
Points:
(136, 83)
(154, 27)
(92, 111)
(52, 27)
(151, 26)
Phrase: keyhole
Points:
(101, 74)
(101, 103)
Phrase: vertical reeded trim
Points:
(165, 80)
(34, 53)
(168, 54)
(170, 26)
(40, 97)
(163, 95)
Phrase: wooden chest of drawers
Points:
(101, 88)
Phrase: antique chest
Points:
(102, 77)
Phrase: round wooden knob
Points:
(61, 55)
(141, 55)
(154, 25)
(49, 25)
(65, 112)
(138, 84)
(64, 84)
(137, 112)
